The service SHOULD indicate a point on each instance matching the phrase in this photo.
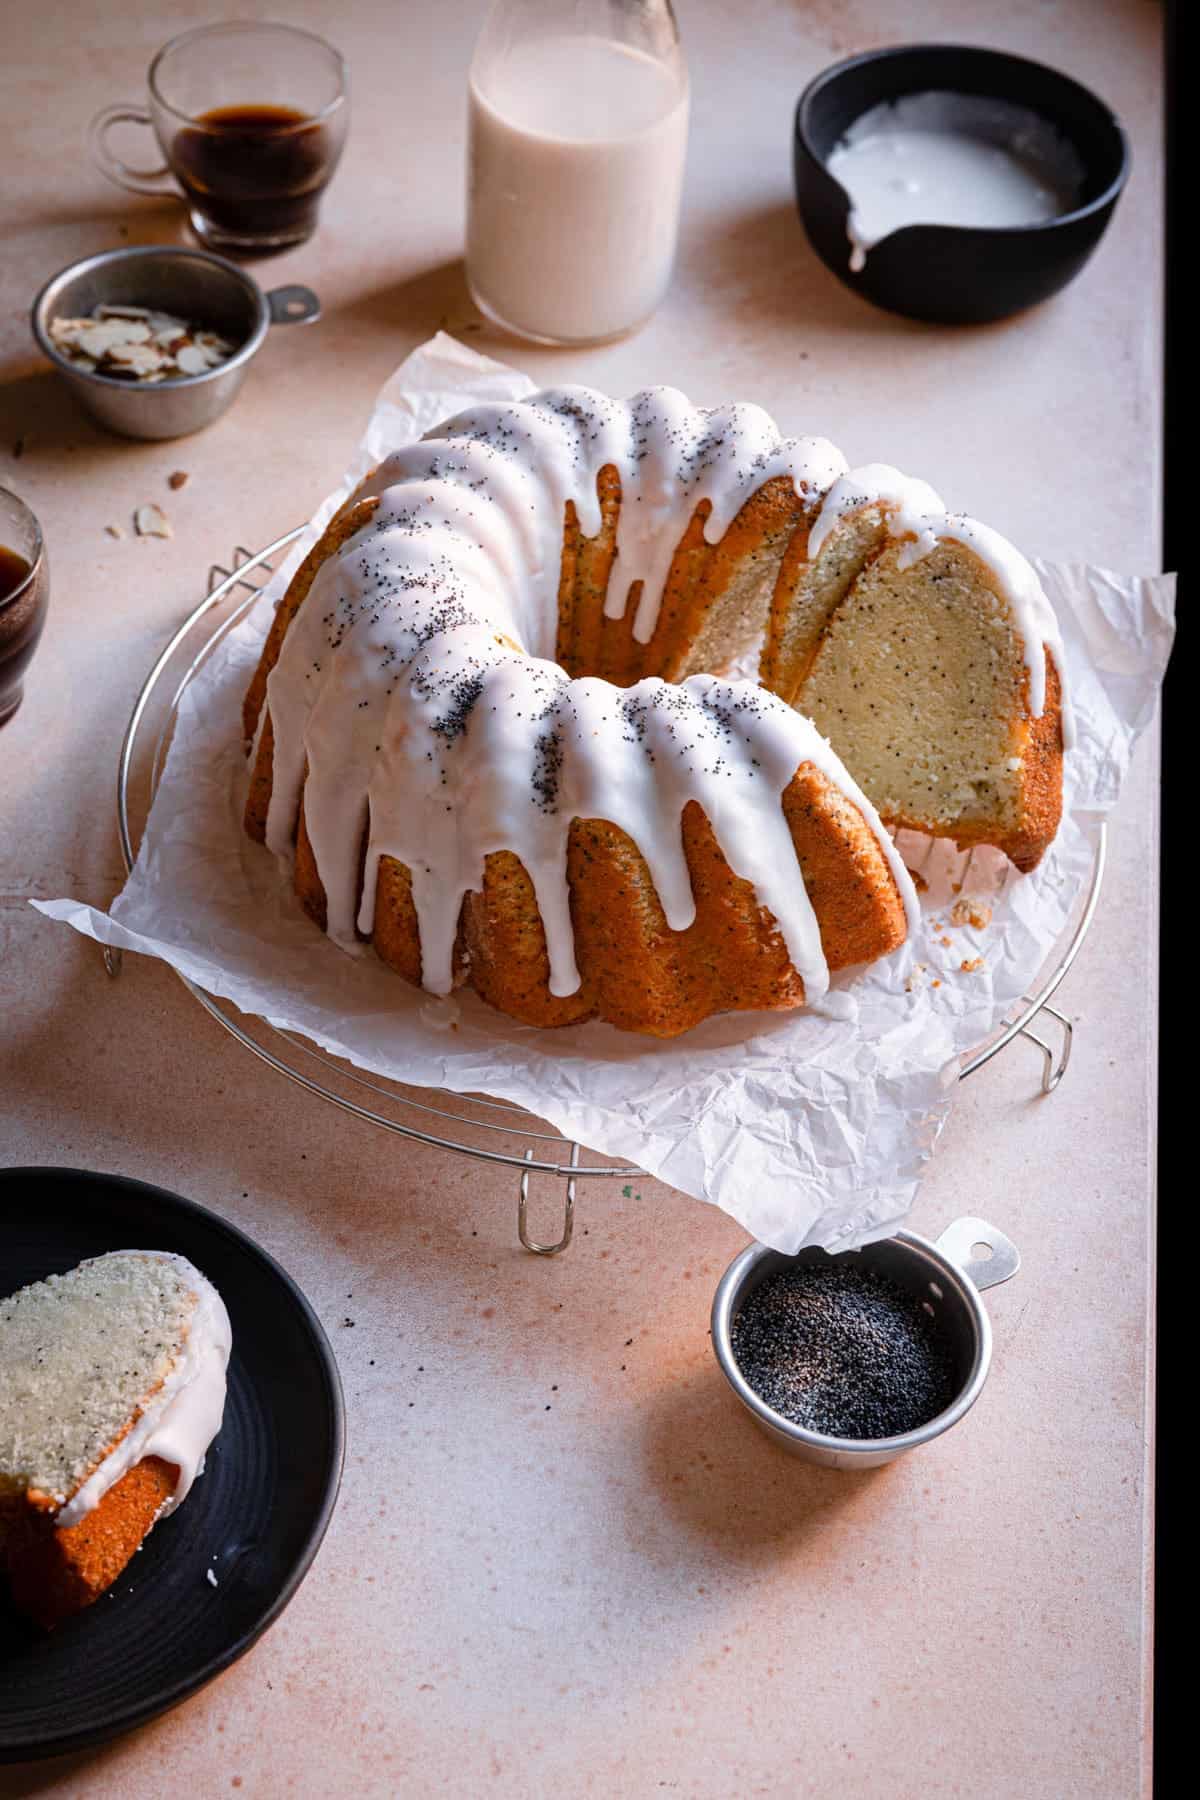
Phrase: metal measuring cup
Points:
(945, 1276)
(192, 284)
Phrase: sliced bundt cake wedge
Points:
(934, 683)
(112, 1388)
(922, 645)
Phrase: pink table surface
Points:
(563, 1561)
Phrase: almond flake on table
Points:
(136, 343)
(152, 521)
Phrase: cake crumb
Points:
(114, 531)
(971, 912)
(177, 478)
(970, 964)
(914, 979)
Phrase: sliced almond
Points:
(191, 360)
(143, 359)
(138, 343)
(65, 335)
(152, 521)
(111, 334)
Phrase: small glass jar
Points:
(24, 597)
(577, 137)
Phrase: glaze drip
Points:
(180, 1421)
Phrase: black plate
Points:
(257, 1515)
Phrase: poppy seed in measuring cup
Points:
(841, 1350)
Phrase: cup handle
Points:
(980, 1250)
(137, 181)
(293, 305)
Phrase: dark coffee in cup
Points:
(255, 171)
(250, 119)
(24, 593)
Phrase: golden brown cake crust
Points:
(731, 959)
(699, 586)
(784, 660)
(54, 1571)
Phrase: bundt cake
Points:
(921, 644)
(112, 1388)
(486, 722)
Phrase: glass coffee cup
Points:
(250, 119)
(24, 597)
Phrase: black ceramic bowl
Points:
(953, 274)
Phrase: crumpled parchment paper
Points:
(809, 1127)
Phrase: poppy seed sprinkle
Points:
(839, 1349)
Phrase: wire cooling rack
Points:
(470, 1125)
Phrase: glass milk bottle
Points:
(578, 114)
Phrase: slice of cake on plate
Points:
(112, 1388)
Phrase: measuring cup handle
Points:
(980, 1250)
(293, 305)
(137, 181)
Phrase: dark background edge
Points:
(1171, 1557)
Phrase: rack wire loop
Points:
(1054, 1063)
(568, 1228)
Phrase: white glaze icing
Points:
(940, 158)
(909, 503)
(914, 512)
(416, 683)
(181, 1420)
